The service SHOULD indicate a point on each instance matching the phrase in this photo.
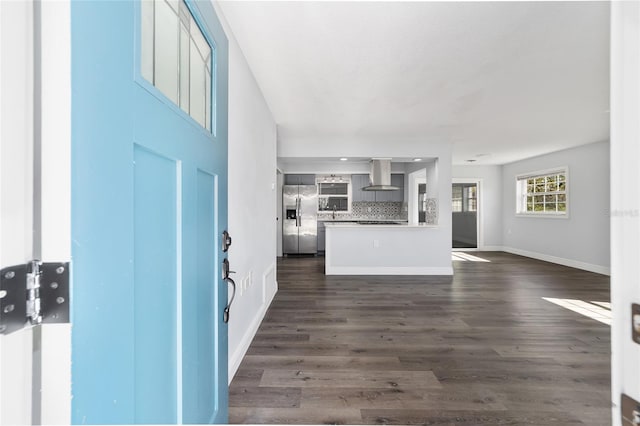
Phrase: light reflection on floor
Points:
(466, 257)
(603, 304)
(599, 311)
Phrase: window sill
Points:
(544, 215)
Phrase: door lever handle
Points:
(225, 314)
(225, 277)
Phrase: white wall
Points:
(252, 201)
(490, 203)
(433, 179)
(582, 239)
(304, 166)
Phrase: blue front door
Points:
(149, 205)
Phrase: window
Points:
(176, 58)
(456, 200)
(543, 193)
(334, 193)
(471, 198)
(464, 198)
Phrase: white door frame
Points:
(16, 195)
(35, 194)
(279, 184)
(413, 179)
(479, 223)
(625, 200)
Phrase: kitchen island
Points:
(387, 249)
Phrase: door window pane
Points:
(176, 58)
(146, 38)
(196, 96)
(166, 52)
(470, 199)
(456, 199)
(201, 43)
(184, 68)
(207, 100)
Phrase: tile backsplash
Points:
(431, 214)
(384, 210)
(374, 210)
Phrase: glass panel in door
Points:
(464, 216)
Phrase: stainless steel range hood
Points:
(380, 176)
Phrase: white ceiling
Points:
(501, 81)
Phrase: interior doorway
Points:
(279, 184)
(465, 215)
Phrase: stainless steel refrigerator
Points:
(300, 219)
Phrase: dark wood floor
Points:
(481, 347)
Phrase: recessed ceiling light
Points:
(417, 159)
(470, 161)
(343, 159)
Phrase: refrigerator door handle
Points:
(298, 218)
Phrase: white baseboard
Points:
(387, 270)
(598, 269)
(491, 248)
(236, 358)
(483, 248)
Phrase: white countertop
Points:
(360, 220)
(376, 226)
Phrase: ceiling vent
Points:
(380, 176)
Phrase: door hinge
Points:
(630, 411)
(33, 293)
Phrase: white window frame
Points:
(521, 194)
(336, 179)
